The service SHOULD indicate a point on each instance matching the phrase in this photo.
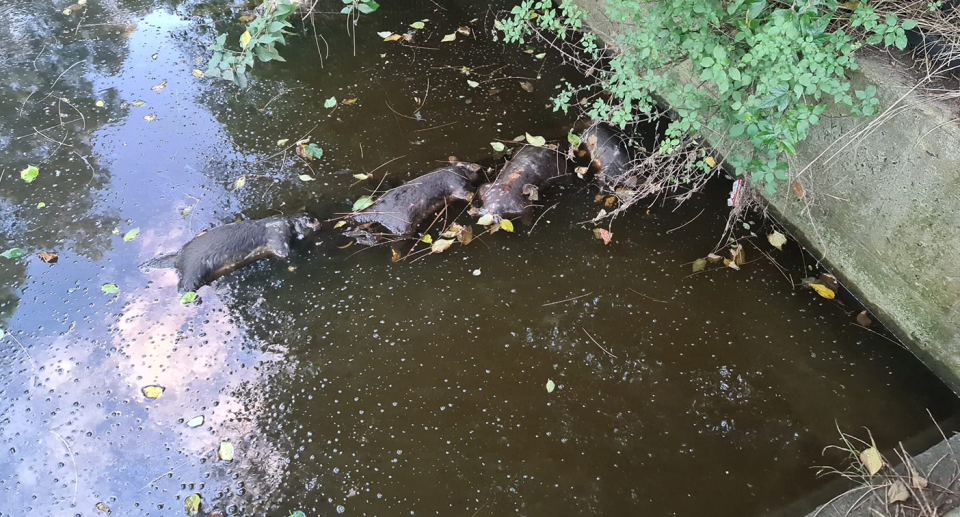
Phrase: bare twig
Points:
(598, 344)
(567, 300)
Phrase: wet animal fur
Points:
(223, 249)
(402, 209)
(530, 169)
(609, 152)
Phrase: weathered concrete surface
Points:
(884, 212)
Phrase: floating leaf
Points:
(550, 386)
(714, 258)
(710, 161)
(699, 265)
(282, 142)
(49, 258)
(310, 151)
(871, 460)
(538, 141)
(241, 181)
(362, 202)
(362, 177)
(305, 177)
(132, 234)
(41, 204)
(160, 86)
(67, 11)
(541, 56)
(110, 288)
(395, 255)
(427, 239)
(485, 220)
(573, 139)
(498, 146)
(777, 240)
(150, 118)
(331, 102)
(186, 211)
(824, 291)
(12, 253)
(226, 451)
(897, 492)
(245, 39)
(103, 508)
(507, 225)
(449, 37)
(192, 504)
(350, 101)
(738, 255)
(384, 34)
(472, 84)
(393, 37)
(152, 392)
(441, 245)
(339, 224)
(609, 201)
(526, 85)
(188, 297)
(603, 234)
(298, 513)
(99, 104)
(417, 25)
(29, 174)
(465, 235)
(138, 103)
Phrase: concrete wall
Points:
(884, 212)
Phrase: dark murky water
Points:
(351, 384)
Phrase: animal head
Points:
(304, 224)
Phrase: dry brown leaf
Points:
(609, 201)
(245, 18)
(870, 458)
(598, 198)
(49, 258)
(798, 189)
(603, 235)
(830, 281)
(897, 492)
(863, 319)
(526, 85)
(396, 256)
(713, 258)
(738, 255)
(464, 30)
(465, 235)
(918, 481)
(731, 264)
(349, 101)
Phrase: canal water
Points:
(351, 384)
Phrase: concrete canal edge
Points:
(884, 211)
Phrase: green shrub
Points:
(767, 69)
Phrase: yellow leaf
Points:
(245, 39)
(339, 224)
(392, 37)
(67, 11)
(449, 37)
(871, 458)
(823, 291)
(226, 451)
(777, 240)
(245, 18)
(850, 5)
(427, 239)
(241, 181)
(507, 225)
(282, 142)
(349, 101)
(699, 265)
(441, 245)
(99, 104)
(710, 161)
(152, 392)
(197, 73)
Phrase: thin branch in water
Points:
(567, 300)
(647, 297)
(436, 127)
(76, 475)
(33, 365)
(688, 222)
(424, 101)
(598, 344)
(541, 217)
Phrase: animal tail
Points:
(167, 261)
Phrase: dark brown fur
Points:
(609, 152)
(530, 169)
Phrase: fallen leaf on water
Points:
(282, 142)
(188, 297)
(464, 30)
(507, 225)
(603, 234)
(417, 25)
(472, 84)
(699, 265)
(520, 138)
(498, 146)
(863, 319)
(897, 492)
(197, 73)
(155, 56)
(160, 86)
(871, 460)
(41, 204)
(532, 192)
(485, 220)
(196, 421)
(580, 172)
(339, 224)
(67, 11)
(132, 234)
(150, 118)
(550, 386)
(396, 256)
(538, 141)
(305, 177)
(49, 258)
(384, 34)
(241, 181)
(226, 451)
(465, 235)
(138, 103)
(427, 239)
(738, 255)
(331, 102)
(541, 56)
(710, 161)
(451, 231)
(310, 151)
(152, 392)
(600, 215)
(350, 101)
(245, 18)
(29, 174)
(777, 240)
(823, 291)
(731, 264)
(609, 201)
(449, 37)
(192, 504)
(103, 508)
(714, 258)
(526, 85)
(392, 37)
(362, 177)
(99, 104)
(110, 288)
(362, 202)
(441, 245)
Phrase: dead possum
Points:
(223, 249)
(609, 152)
(520, 181)
(401, 210)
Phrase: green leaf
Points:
(550, 386)
(362, 203)
(41, 204)
(110, 288)
(537, 141)
(12, 253)
(573, 139)
(485, 220)
(29, 174)
(449, 37)
(699, 265)
(498, 146)
(417, 25)
(297, 513)
(225, 452)
(313, 150)
(331, 102)
(369, 5)
(909, 25)
(188, 297)
(192, 504)
(132, 234)
(707, 62)
(196, 421)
